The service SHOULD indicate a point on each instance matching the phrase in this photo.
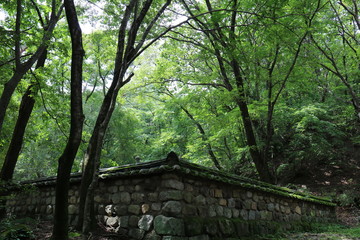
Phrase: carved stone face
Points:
(109, 209)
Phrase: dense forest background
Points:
(265, 89)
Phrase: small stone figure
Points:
(111, 221)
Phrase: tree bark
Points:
(25, 110)
(261, 165)
(66, 160)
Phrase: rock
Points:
(252, 215)
(125, 197)
(226, 226)
(211, 227)
(170, 195)
(189, 210)
(121, 210)
(298, 210)
(72, 209)
(227, 212)
(116, 198)
(134, 221)
(137, 197)
(271, 207)
(145, 208)
(152, 236)
(193, 226)
(172, 207)
(136, 233)
(124, 221)
(200, 200)
(134, 209)
(174, 184)
(145, 222)
(156, 206)
(242, 228)
(169, 226)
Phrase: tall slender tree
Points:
(138, 23)
(66, 160)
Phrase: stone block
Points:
(218, 193)
(242, 229)
(156, 206)
(189, 210)
(145, 222)
(137, 197)
(72, 209)
(212, 211)
(236, 194)
(153, 197)
(270, 207)
(252, 215)
(200, 200)
(134, 221)
(121, 210)
(188, 197)
(193, 226)
(235, 212)
(227, 213)
(219, 211)
(171, 195)
(231, 202)
(169, 226)
(173, 184)
(145, 208)
(134, 209)
(203, 211)
(172, 207)
(226, 227)
(223, 202)
(98, 199)
(125, 197)
(211, 227)
(124, 221)
(298, 210)
(152, 236)
(249, 194)
(113, 189)
(261, 205)
(115, 198)
(136, 233)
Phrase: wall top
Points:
(173, 164)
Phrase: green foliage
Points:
(17, 229)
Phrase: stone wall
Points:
(175, 203)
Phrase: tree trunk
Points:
(25, 110)
(60, 230)
(127, 50)
(261, 165)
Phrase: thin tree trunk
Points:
(261, 165)
(204, 138)
(127, 50)
(25, 110)
(60, 230)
